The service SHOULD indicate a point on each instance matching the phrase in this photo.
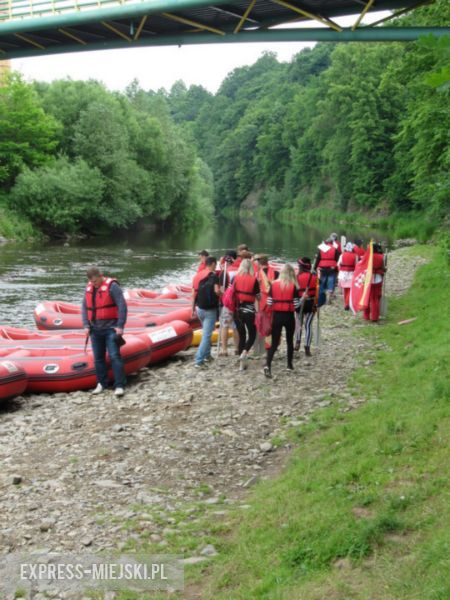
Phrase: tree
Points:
(28, 137)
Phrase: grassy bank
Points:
(398, 225)
(362, 511)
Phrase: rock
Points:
(87, 541)
(16, 479)
(209, 550)
(107, 483)
(254, 479)
(47, 524)
(193, 560)
(265, 447)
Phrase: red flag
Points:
(362, 281)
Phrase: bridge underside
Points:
(44, 27)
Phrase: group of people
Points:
(253, 298)
(258, 301)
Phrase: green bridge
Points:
(44, 27)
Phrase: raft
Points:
(164, 341)
(67, 368)
(56, 315)
(13, 379)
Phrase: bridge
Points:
(45, 27)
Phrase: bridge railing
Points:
(21, 9)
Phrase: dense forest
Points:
(345, 127)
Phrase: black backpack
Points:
(206, 296)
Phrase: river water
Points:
(145, 259)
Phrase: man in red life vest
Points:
(358, 248)
(203, 254)
(104, 313)
(372, 311)
(326, 261)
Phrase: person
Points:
(247, 292)
(205, 301)
(335, 242)
(307, 286)
(346, 264)
(104, 314)
(242, 252)
(283, 298)
(226, 277)
(358, 248)
(265, 275)
(372, 312)
(326, 261)
(203, 254)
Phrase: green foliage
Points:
(122, 158)
(59, 198)
(28, 137)
(353, 127)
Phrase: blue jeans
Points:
(327, 284)
(208, 317)
(105, 340)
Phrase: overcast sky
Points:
(161, 67)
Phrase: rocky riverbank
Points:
(78, 468)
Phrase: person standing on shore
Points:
(246, 288)
(283, 298)
(326, 262)
(205, 302)
(372, 311)
(307, 285)
(203, 254)
(346, 264)
(104, 314)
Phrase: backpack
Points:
(206, 296)
(229, 298)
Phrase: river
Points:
(145, 259)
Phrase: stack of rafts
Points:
(55, 358)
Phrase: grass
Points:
(362, 509)
(17, 228)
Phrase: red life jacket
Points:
(328, 258)
(303, 280)
(378, 264)
(348, 261)
(105, 308)
(358, 250)
(283, 297)
(244, 286)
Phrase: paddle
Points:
(384, 301)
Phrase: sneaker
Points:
(243, 361)
(267, 372)
(208, 359)
(297, 346)
(99, 389)
(119, 391)
(307, 351)
(290, 368)
(199, 365)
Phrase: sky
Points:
(157, 68)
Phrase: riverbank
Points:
(168, 467)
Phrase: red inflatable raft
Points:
(63, 315)
(164, 341)
(13, 379)
(66, 369)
